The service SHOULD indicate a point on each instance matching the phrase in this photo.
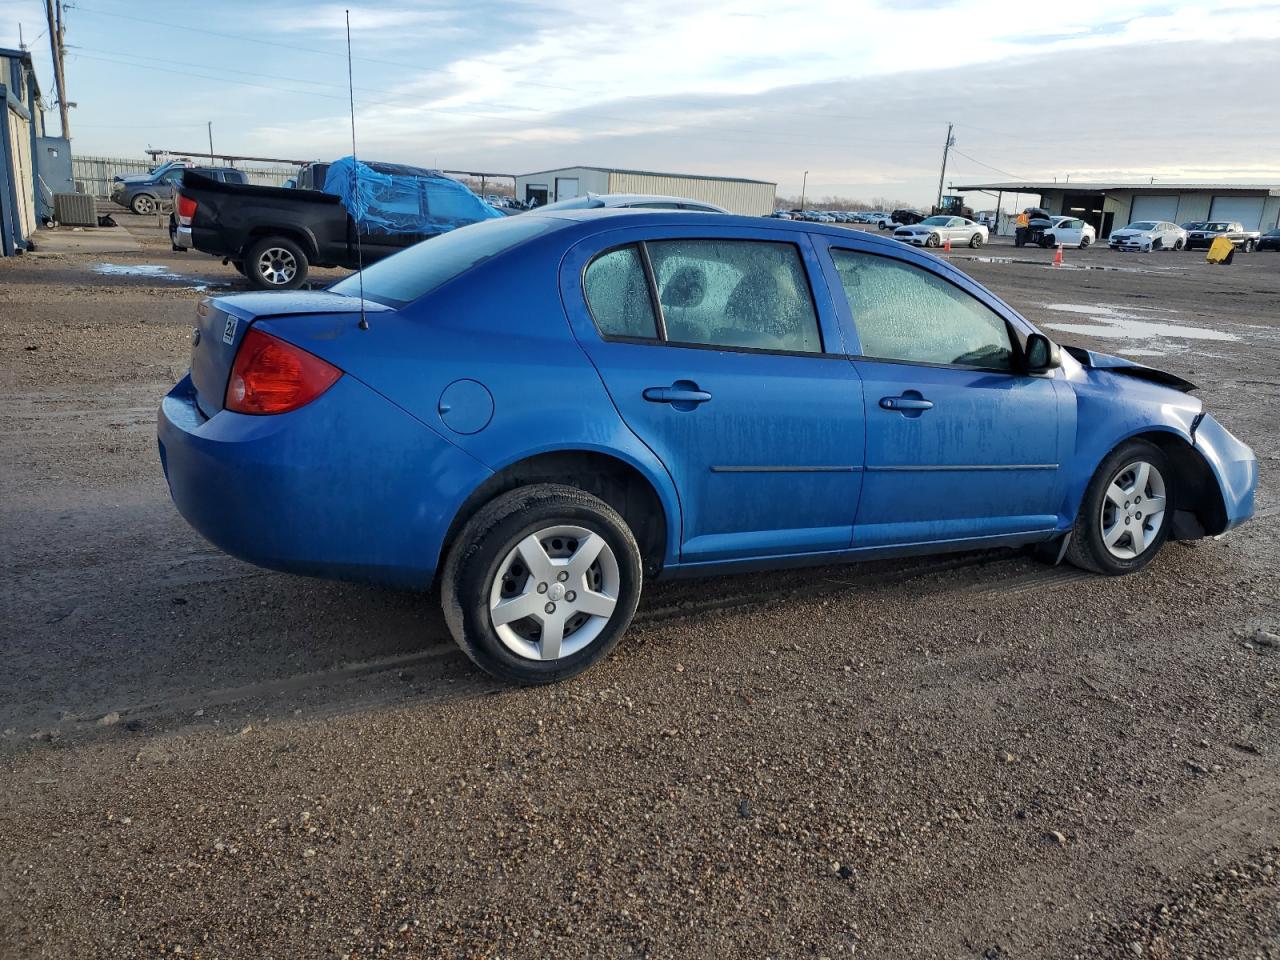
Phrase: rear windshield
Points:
(410, 274)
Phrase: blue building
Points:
(21, 124)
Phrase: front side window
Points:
(903, 312)
(618, 295)
(735, 293)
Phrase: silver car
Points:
(643, 201)
(935, 231)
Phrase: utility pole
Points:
(951, 142)
(58, 47)
(209, 124)
(803, 184)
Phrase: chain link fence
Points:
(93, 175)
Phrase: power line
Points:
(987, 165)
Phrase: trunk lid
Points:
(221, 323)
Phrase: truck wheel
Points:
(541, 583)
(1250, 246)
(144, 205)
(275, 263)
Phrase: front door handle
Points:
(906, 403)
(683, 394)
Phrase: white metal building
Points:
(1110, 206)
(750, 197)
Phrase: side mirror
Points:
(1042, 354)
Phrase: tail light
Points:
(272, 376)
(186, 207)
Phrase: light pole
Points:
(803, 184)
(210, 126)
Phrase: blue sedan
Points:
(538, 413)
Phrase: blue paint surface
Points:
(792, 459)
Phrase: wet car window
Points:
(735, 293)
(618, 295)
(905, 313)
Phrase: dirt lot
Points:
(969, 757)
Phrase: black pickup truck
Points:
(273, 235)
(1202, 233)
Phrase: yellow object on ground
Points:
(1220, 251)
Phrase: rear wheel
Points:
(975, 241)
(275, 263)
(541, 583)
(144, 205)
(1126, 511)
(1250, 246)
(1179, 244)
(1085, 241)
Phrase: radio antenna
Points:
(355, 177)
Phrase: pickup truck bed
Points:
(273, 234)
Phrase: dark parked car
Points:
(901, 218)
(1270, 240)
(542, 413)
(144, 196)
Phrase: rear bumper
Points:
(348, 487)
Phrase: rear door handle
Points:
(677, 394)
(906, 403)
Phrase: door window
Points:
(903, 312)
(618, 295)
(735, 293)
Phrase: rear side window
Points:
(903, 312)
(735, 293)
(618, 295)
(412, 273)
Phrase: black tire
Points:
(975, 241)
(933, 240)
(1177, 244)
(1084, 242)
(485, 541)
(882, 225)
(278, 272)
(1087, 549)
(1249, 246)
(144, 205)
(1046, 241)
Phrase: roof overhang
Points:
(1083, 186)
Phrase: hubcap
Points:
(277, 265)
(554, 593)
(144, 205)
(1132, 510)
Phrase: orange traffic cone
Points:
(1057, 257)
(946, 245)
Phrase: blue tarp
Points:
(394, 198)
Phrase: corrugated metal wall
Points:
(736, 196)
(95, 173)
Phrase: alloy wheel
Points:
(144, 206)
(277, 266)
(1133, 510)
(554, 593)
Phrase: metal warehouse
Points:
(751, 197)
(20, 127)
(1112, 205)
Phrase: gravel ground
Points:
(968, 756)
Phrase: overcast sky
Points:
(858, 93)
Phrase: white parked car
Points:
(934, 231)
(1070, 232)
(1148, 235)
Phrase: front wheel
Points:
(144, 205)
(933, 240)
(1126, 511)
(975, 241)
(1084, 242)
(275, 263)
(541, 583)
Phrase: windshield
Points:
(410, 274)
(935, 221)
(1141, 225)
(1217, 226)
(1273, 233)
(1195, 225)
